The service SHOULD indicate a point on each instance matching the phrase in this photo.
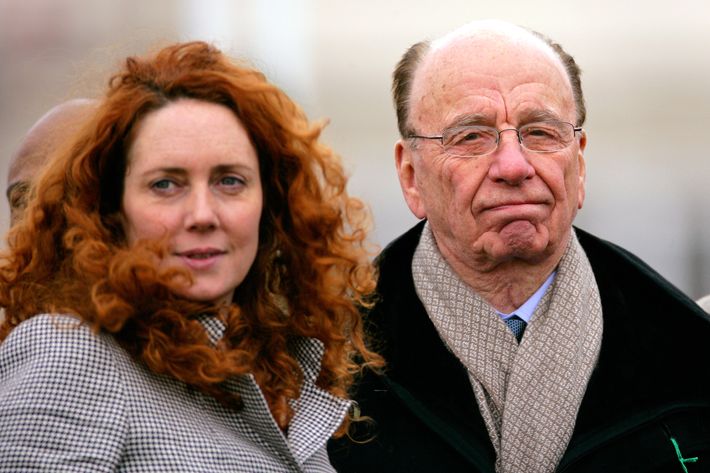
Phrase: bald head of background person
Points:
(40, 141)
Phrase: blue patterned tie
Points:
(517, 326)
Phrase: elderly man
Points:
(515, 343)
(43, 138)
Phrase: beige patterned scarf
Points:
(528, 394)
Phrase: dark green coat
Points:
(650, 388)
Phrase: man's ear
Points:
(404, 160)
(581, 169)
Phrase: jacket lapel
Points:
(257, 416)
(256, 413)
(318, 414)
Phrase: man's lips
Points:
(512, 205)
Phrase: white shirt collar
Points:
(526, 310)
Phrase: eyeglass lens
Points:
(470, 141)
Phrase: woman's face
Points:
(193, 176)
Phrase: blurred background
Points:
(646, 76)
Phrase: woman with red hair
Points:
(181, 293)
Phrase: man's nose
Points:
(201, 214)
(510, 162)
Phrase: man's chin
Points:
(520, 239)
(519, 230)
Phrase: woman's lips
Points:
(200, 258)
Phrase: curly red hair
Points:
(312, 268)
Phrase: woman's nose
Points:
(201, 214)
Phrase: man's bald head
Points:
(42, 139)
(408, 66)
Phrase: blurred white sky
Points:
(646, 76)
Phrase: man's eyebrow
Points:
(530, 116)
(538, 115)
(469, 119)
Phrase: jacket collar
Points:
(317, 413)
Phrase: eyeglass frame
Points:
(575, 130)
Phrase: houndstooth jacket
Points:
(75, 401)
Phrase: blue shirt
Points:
(526, 310)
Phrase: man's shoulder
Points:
(609, 259)
(397, 316)
(398, 254)
(620, 274)
(598, 248)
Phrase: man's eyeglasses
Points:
(474, 141)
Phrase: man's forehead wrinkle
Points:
(485, 102)
(564, 99)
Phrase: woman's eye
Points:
(231, 182)
(163, 184)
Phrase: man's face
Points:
(511, 204)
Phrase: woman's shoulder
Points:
(61, 397)
(55, 327)
(53, 340)
(46, 323)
